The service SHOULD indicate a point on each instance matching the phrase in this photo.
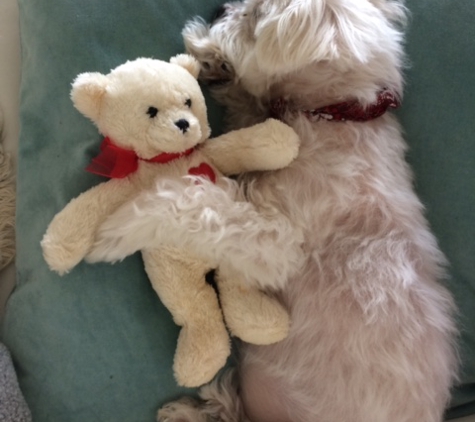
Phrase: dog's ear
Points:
(312, 31)
(197, 41)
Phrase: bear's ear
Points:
(87, 92)
(188, 62)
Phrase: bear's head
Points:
(146, 105)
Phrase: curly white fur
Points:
(213, 221)
(372, 336)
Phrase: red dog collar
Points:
(345, 111)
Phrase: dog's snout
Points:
(183, 125)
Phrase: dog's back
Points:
(372, 336)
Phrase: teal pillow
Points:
(96, 344)
(438, 116)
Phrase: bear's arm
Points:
(270, 145)
(71, 233)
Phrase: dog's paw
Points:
(186, 409)
(215, 71)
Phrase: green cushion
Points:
(438, 116)
(97, 345)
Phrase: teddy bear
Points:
(153, 116)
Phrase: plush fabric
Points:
(97, 344)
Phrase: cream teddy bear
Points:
(153, 116)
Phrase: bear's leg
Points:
(203, 344)
(250, 314)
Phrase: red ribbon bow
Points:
(116, 162)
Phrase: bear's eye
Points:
(152, 111)
(188, 102)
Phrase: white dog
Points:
(372, 336)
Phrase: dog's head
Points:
(260, 41)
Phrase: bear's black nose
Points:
(183, 125)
